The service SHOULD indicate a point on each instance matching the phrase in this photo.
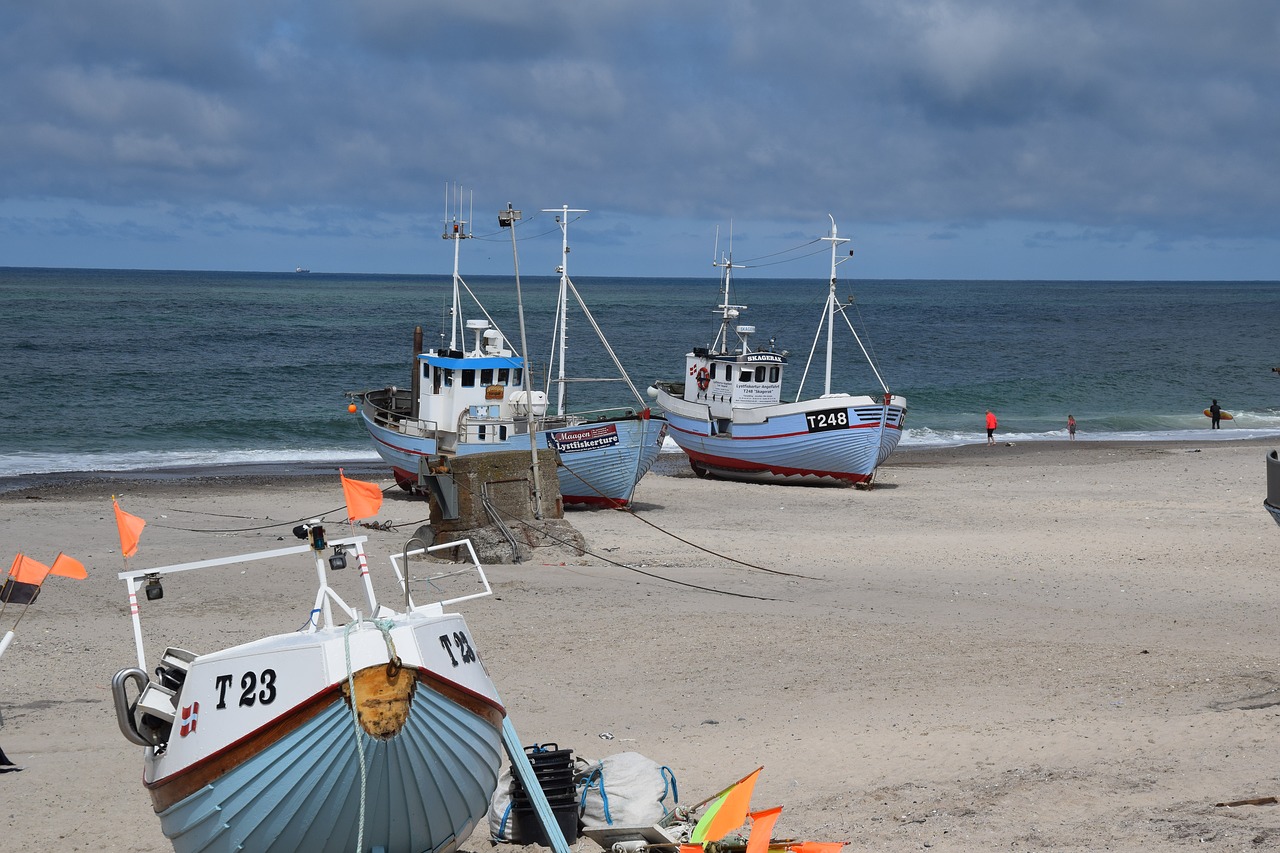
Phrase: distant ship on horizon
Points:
(301, 269)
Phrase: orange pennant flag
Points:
(363, 499)
(816, 847)
(730, 812)
(130, 529)
(762, 829)
(23, 584)
(27, 570)
(68, 567)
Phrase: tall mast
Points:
(508, 219)
(562, 304)
(835, 241)
(728, 312)
(455, 229)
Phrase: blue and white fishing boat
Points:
(374, 732)
(728, 415)
(474, 397)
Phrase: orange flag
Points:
(130, 529)
(68, 567)
(27, 570)
(363, 499)
(762, 829)
(23, 584)
(816, 847)
(727, 813)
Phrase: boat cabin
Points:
(727, 381)
(479, 394)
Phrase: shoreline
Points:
(1055, 451)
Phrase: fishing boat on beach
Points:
(474, 396)
(373, 727)
(727, 413)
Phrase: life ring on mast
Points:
(704, 379)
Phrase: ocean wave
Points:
(19, 464)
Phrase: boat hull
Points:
(426, 788)
(788, 443)
(241, 776)
(601, 461)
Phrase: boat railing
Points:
(599, 415)
(391, 409)
(325, 600)
(435, 582)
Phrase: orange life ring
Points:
(704, 379)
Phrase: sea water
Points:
(125, 370)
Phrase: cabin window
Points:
(480, 432)
(468, 378)
(773, 373)
(504, 376)
(448, 376)
(486, 376)
(713, 370)
(502, 433)
(517, 376)
(745, 376)
(760, 373)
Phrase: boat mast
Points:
(835, 241)
(728, 312)
(455, 230)
(562, 305)
(507, 219)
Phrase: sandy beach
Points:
(1049, 646)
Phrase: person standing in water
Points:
(991, 429)
(1071, 427)
(1215, 412)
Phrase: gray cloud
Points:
(1080, 118)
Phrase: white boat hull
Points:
(838, 439)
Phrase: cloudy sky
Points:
(1049, 140)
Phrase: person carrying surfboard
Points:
(1215, 412)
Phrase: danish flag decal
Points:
(189, 719)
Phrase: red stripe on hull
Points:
(776, 470)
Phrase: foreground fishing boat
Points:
(474, 397)
(358, 733)
(728, 415)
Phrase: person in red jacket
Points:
(991, 429)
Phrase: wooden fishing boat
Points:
(727, 413)
(356, 732)
(474, 397)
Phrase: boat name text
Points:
(827, 420)
(249, 692)
(460, 641)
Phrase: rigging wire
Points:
(540, 530)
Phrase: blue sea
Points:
(118, 370)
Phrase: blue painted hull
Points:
(426, 787)
(601, 462)
(782, 449)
